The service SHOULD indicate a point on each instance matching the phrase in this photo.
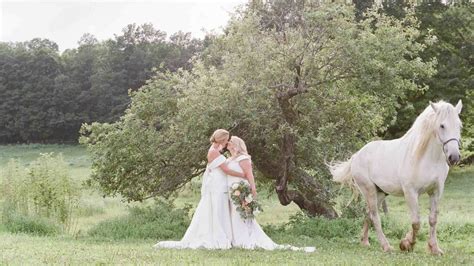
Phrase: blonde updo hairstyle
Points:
(240, 146)
(219, 136)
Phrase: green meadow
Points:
(106, 230)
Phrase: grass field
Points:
(456, 230)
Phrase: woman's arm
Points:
(231, 172)
(213, 154)
(247, 167)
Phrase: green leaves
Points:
(316, 74)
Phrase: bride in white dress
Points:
(248, 234)
(210, 227)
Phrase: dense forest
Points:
(47, 95)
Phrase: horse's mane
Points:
(425, 125)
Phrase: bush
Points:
(302, 225)
(17, 223)
(349, 205)
(160, 221)
(467, 151)
(45, 190)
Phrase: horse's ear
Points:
(433, 105)
(458, 107)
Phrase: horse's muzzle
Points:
(454, 158)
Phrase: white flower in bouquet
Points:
(235, 186)
(237, 193)
(249, 199)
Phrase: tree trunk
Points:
(309, 195)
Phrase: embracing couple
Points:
(216, 223)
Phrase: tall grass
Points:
(159, 221)
(43, 192)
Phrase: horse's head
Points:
(447, 127)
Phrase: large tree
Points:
(301, 84)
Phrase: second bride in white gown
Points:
(247, 233)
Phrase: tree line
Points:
(46, 95)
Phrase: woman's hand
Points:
(247, 167)
(254, 192)
(253, 189)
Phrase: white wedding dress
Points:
(210, 227)
(248, 234)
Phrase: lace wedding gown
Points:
(248, 234)
(210, 227)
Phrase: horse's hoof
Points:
(435, 250)
(406, 245)
(365, 243)
(387, 248)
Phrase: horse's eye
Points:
(442, 126)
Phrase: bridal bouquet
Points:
(246, 205)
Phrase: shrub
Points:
(467, 151)
(44, 190)
(159, 221)
(302, 225)
(18, 223)
(349, 205)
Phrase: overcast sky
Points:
(64, 22)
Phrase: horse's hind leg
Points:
(369, 191)
(409, 241)
(365, 228)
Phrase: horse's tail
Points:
(341, 173)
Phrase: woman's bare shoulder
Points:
(212, 154)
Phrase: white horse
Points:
(414, 164)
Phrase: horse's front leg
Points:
(433, 241)
(409, 241)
